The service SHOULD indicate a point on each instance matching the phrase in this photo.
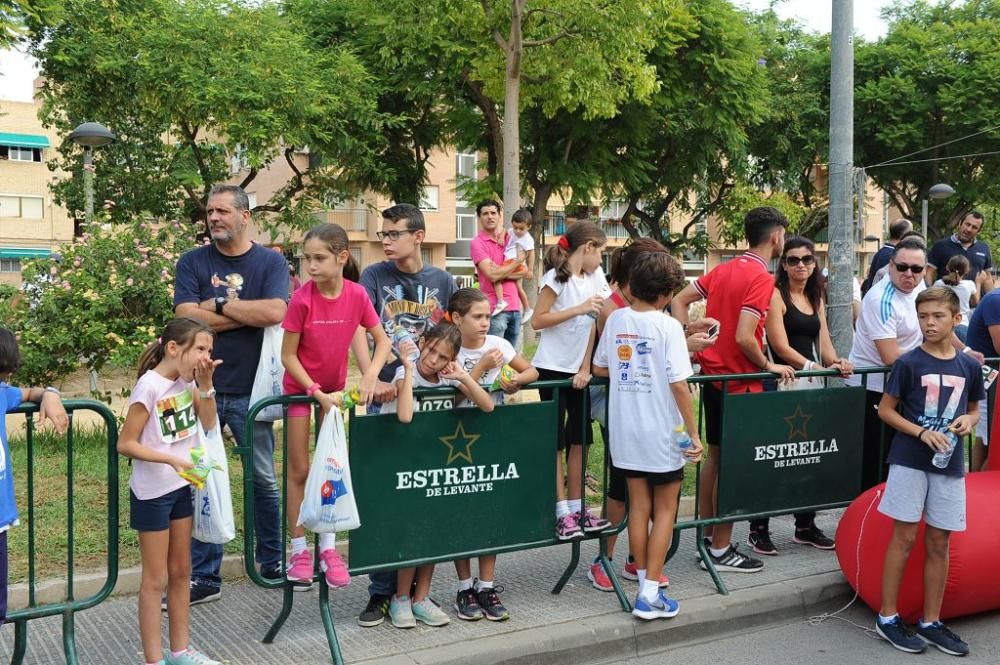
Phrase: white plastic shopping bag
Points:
(270, 373)
(328, 505)
(213, 503)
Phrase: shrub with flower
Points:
(100, 300)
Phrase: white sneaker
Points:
(528, 313)
(501, 306)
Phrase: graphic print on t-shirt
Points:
(633, 352)
(415, 316)
(233, 283)
(176, 416)
(934, 418)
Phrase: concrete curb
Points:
(619, 636)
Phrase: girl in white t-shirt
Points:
(173, 393)
(967, 291)
(570, 298)
(436, 368)
(483, 356)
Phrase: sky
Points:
(17, 71)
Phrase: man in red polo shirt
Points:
(487, 251)
(738, 294)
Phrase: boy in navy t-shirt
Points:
(939, 390)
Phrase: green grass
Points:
(90, 505)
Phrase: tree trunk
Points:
(539, 204)
(511, 115)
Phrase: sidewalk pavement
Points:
(579, 625)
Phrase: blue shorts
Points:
(156, 514)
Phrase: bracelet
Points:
(312, 389)
(920, 435)
(808, 365)
(967, 349)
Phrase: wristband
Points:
(967, 349)
(312, 389)
(920, 435)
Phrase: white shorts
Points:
(983, 426)
(911, 493)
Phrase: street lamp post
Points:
(90, 135)
(938, 191)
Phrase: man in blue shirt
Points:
(963, 242)
(984, 337)
(239, 288)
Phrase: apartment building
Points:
(31, 224)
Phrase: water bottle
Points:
(942, 458)
(681, 438)
(400, 335)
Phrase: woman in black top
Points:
(796, 332)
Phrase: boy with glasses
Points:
(405, 292)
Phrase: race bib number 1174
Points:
(176, 416)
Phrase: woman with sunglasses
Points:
(797, 335)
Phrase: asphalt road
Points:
(833, 642)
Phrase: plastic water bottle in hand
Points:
(682, 438)
(400, 336)
(941, 458)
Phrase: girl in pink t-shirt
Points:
(321, 320)
(173, 393)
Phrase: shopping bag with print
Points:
(270, 373)
(328, 505)
(213, 502)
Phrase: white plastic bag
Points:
(270, 373)
(328, 504)
(213, 504)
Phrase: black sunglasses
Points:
(903, 267)
(793, 261)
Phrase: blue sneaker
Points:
(660, 608)
(939, 635)
(896, 633)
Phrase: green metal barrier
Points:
(514, 457)
(70, 605)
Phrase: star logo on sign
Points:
(459, 444)
(797, 423)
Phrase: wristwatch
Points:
(219, 302)
(207, 395)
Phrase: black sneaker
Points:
(272, 572)
(489, 600)
(898, 635)
(467, 605)
(812, 535)
(375, 612)
(760, 542)
(203, 593)
(939, 635)
(732, 561)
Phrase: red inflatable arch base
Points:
(972, 587)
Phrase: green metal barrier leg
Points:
(703, 553)
(69, 638)
(674, 544)
(20, 642)
(331, 631)
(574, 561)
(286, 609)
(606, 564)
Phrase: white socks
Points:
(650, 589)
(575, 505)
(327, 541)
(298, 545)
(562, 509)
(465, 585)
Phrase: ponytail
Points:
(956, 268)
(576, 236)
(335, 238)
(351, 270)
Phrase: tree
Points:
(925, 111)
(19, 17)
(102, 301)
(683, 151)
(190, 86)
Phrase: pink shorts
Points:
(299, 410)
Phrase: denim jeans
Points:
(206, 558)
(508, 326)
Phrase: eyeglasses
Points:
(806, 260)
(903, 267)
(391, 235)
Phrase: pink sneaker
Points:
(300, 567)
(334, 568)
(630, 572)
(599, 578)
